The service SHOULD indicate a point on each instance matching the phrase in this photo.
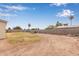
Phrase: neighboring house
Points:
(34, 30)
(2, 28)
(63, 26)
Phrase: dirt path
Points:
(49, 45)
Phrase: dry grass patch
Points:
(22, 37)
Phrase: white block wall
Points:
(2, 30)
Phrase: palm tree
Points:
(71, 17)
(29, 25)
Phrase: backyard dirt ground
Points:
(49, 45)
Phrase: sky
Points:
(39, 15)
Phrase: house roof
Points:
(3, 21)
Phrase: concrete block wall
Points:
(62, 31)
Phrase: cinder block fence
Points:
(62, 31)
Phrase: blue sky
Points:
(39, 15)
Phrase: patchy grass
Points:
(22, 37)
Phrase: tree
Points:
(71, 17)
(17, 27)
(58, 24)
(9, 29)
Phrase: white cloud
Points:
(14, 8)
(58, 4)
(6, 10)
(65, 13)
(7, 14)
(17, 7)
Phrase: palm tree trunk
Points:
(29, 29)
(70, 22)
